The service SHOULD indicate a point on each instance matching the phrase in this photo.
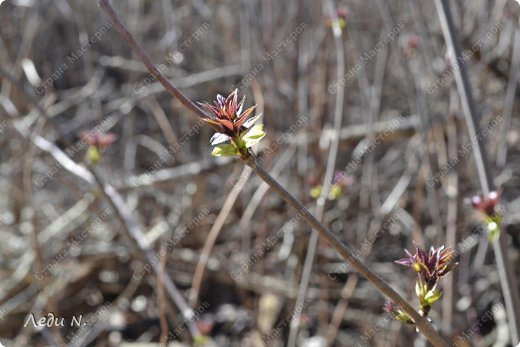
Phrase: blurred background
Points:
(160, 242)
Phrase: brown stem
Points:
(422, 324)
(129, 39)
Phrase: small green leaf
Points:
(493, 226)
(335, 192)
(93, 154)
(432, 296)
(494, 231)
(225, 150)
(403, 317)
(420, 288)
(201, 340)
(254, 135)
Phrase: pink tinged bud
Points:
(486, 204)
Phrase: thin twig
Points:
(327, 178)
(451, 232)
(509, 101)
(161, 298)
(252, 204)
(170, 88)
(162, 119)
(51, 305)
(213, 234)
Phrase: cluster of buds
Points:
(487, 205)
(339, 184)
(237, 132)
(430, 268)
(97, 142)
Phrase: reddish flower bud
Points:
(237, 131)
(486, 204)
(97, 139)
(343, 12)
(430, 266)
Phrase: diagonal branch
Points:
(422, 324)
(129, 39)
